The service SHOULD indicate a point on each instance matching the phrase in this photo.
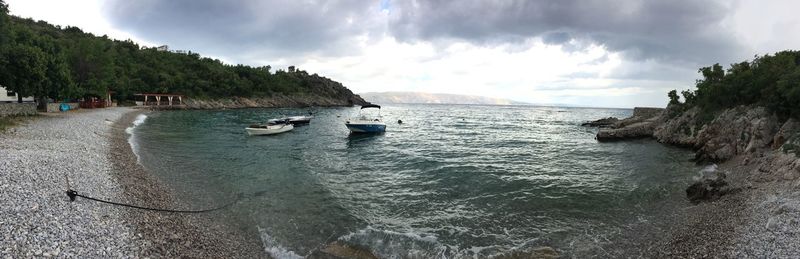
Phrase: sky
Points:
(621, 53)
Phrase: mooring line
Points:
(72, 194)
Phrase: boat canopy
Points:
(371, 106)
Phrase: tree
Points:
(3, 20)
(58, 79)
(5, 39)
(688, 97)
(673, 97)
(43, 60)
(24, 70)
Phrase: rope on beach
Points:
(72, 194)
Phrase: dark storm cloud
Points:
(682, 30)
(230, 28)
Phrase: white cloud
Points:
(85, 14)
(504, 71)
(766, 26)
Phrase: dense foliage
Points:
(42, 60)
(772, 81)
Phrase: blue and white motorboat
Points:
(365, 124)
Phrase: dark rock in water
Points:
(544, 252)
(709, 187)
(605, 122)
(341, 250)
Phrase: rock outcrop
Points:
(786, 134)
(680, 130)
(640, 125)
(736, 131)
(318, 91)
(602, 123)
(275, 101)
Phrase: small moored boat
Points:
(270, 128)
(295, 120)
(365, 124)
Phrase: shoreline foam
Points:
(171, 235)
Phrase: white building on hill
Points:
(7, 96)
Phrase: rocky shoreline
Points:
(346, 99)
(91, 148)
(752, 211)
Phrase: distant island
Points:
(434, 98)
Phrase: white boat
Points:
(365, 124)
(301, 119)
(269, 129)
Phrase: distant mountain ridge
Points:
(433, 98)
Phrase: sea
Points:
(450, 181)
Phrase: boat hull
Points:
(366, 128)
(268, 131)
(296, 120)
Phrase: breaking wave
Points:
(274, 249)
(136, 122)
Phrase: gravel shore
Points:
(758, 219)
(90, 146)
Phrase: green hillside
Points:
(43, 60)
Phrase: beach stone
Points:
(772, 223)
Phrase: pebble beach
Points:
(90, 147)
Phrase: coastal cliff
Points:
(317, 91)
(321, 92)
(275, 101)
(745, 207)
(742, 123)
(742, 130)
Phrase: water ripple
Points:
(451, 181)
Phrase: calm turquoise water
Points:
(451, 181)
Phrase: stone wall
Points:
(9, 109)
(54, 107)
